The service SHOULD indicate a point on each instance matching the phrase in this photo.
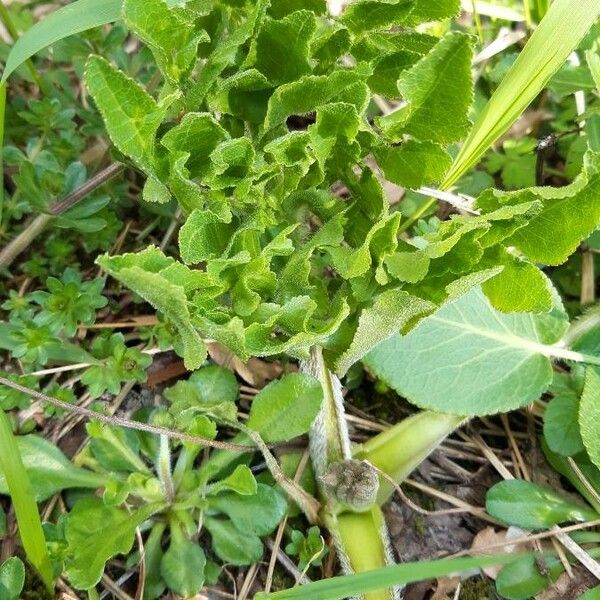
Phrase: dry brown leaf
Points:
(255, 372)
(490, 537)
(446, 588)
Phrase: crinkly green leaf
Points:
(412, 163)
(286, 408)
(149, 274)
(282, 8)
(469, 359)
(203, 236)
(310, 92)
(131, 115)
(428, 10)
(568, 216)
(438, 91)
(365, 15)
(289, 37)
(390, 311)
(172, 39)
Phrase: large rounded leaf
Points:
(469, 359)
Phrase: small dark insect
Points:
(544, 147)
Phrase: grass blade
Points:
(558, 34)
(2, 110)
(73, 18)
(28, 518)
(353, 585)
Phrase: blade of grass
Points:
(28, 518)
(73, 18)
(2, 111)
(14, 34)
(353, 585)
(558, 34)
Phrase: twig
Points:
(289, 566)
(90, 414)
(35, 227)
(91, 185)
(279, 534)
(530, 538)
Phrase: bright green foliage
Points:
(163, 282)
(12, 578)
(97, 532)
(131, 115)
(50, 471)
(522, 580)
(69, 303)
(469, 359)
(589, 414)
(182, 565)
(531, 506)
(568, 215)
(260, 214)
(310, 548)
(286, 408)
(118, 363)
(438, 94)
(171, 37)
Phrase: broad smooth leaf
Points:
(49, 470)
(522, 580)
(259, 513)
(531, 506)
(231, 545)
(589, 415)
(558, 34)
(469, 359)
(286, 408)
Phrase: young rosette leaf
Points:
(469, 359)
(182, 565)
(95, 533)
(236, 539)
(531, 506)
(286, 408)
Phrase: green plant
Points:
(289, 247)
